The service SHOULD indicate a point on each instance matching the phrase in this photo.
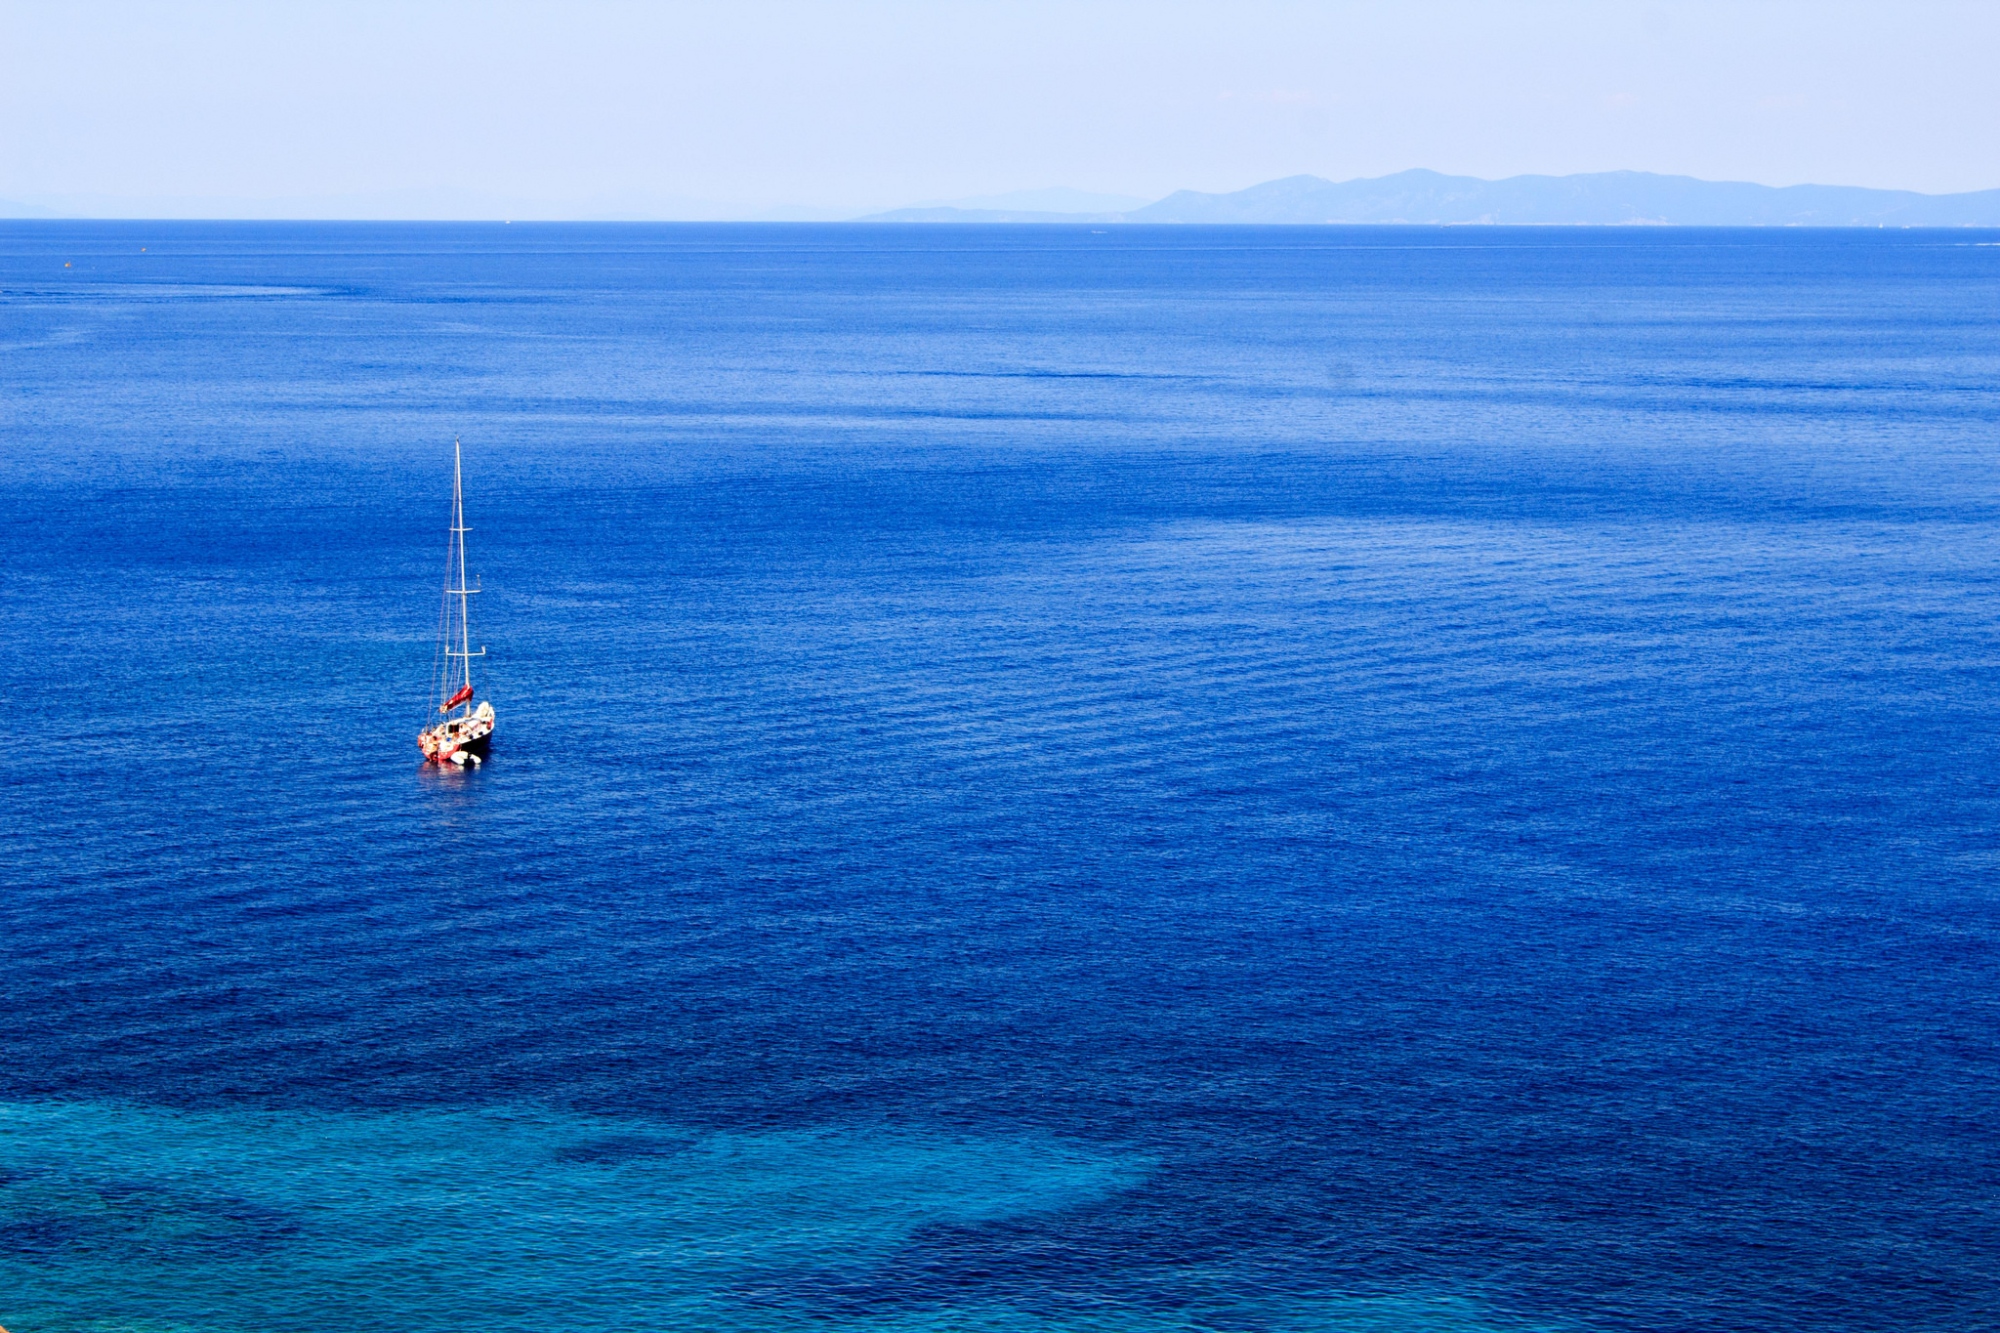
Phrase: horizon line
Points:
(914, 223)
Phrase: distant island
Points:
(1606, 198)
(1422, 198)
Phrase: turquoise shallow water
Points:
(129, 1218)
(1249, 781)
(499, 1218)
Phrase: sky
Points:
(754, 109)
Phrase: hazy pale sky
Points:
(585, 109)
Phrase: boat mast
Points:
(458, 526)
(459, 530)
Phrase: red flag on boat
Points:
(464, 693)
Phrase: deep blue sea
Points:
(1166, 779)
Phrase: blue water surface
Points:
(1244, 780)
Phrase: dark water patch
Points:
(620, 1148)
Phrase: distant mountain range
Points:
(1608, 198)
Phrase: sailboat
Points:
(466, 735)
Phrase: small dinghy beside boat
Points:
(467, 737)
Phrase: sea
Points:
(1047, 779)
